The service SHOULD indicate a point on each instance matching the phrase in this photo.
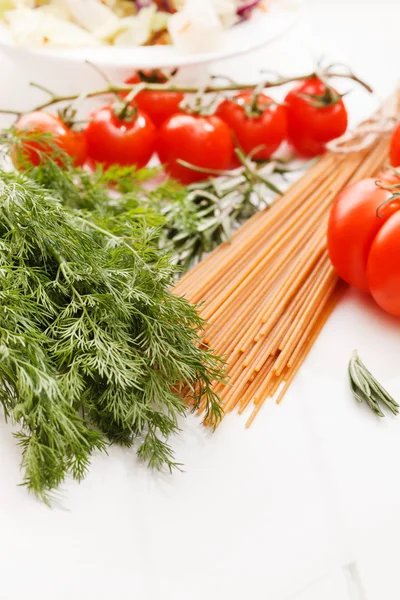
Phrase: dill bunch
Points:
(191, 221)
(94, 346)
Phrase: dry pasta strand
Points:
(267, 294)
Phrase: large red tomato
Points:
(112, 140)
(261, 126)
(314, 118)
(353, 225)
(32, 151)
(384, 266)
(205, 142)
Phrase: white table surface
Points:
(297, 507)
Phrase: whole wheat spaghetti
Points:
(267, 294)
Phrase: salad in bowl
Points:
(190, 25)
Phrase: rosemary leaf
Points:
(367, 389)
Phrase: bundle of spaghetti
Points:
(267, 294)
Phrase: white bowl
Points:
(260, 30)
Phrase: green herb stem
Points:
(367, 389)
(118, 89)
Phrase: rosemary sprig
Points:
(206, 214)
(367, 389)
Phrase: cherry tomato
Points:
(112, 140)
(394, 153)
(384, 266)
(31, 152)
(353, 225)
(311, 127)
(263, 126)
(158, 105)
(202, 141)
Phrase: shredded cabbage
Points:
(136, 30)
(196, 25)
(5, 5)
(196, 28)
(38, 28)
(92, 15)
(58, 8)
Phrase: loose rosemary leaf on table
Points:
(367, 389)
(93, 343)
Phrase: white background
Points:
(297, 507)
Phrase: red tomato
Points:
(311, 127)
(158, 105)
(384, 266)
(202, 141)
(111, 140)
(73, 143)
(266, 129)
(394, 153)
(353, 225)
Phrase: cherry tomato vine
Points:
(151, 114)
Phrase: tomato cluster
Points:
(156, 122)
(364, 238)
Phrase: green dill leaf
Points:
(94, 345)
